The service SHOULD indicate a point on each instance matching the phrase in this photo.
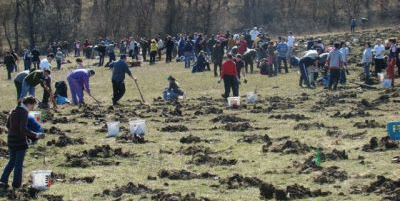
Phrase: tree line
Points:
(27, 23)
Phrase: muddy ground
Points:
(198, 149)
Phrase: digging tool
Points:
(140, 92)
(97, 101)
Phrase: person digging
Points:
(173, 91)
(78, 81)
(119, 69)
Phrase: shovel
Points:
(97, 101)
(140, 92)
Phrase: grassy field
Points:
(275, 165)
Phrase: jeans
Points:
(26, 88)
(188, 57)
(58, 64)
(169, 56)
(303, 74)
(280, 59)
(231, 82)
(144, 54)
(153, 55)
(36, 64)
(77, 52)
(15, 163)
(18, 86)
(101, 59)
(118, 90)
(27, 64)
(366, 71)
(334, 78)
(10, 69)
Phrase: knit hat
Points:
(171, 78)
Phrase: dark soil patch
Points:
(330, 175)
(184, 175)
(297, 117)
(61, 120)
(237, 181)
(384, 186)
(368, 124)
(3, 153)
(190, 139)
(192, 150)
(54, 197)
(334, 155)
(342, 134)
(228, 119)
(208, 110)
(309, 126)
(352, 114)
(174, 128)
(269, 191)
(129, 188)
(202, 159)
(238, 127)
(64, 141)
(256, 139)
(87, 180)
(54, 131)
(25, 193)
(92, 156)
(384, 144)
(162, 196)
(289, 146)
(307, 166)
(128, 138)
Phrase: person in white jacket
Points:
(366, 61)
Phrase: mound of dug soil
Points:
(237, 181)
(54, 131)
(256, 139)
(162, 196)
(88, 180)
(208, 110)
(129, 188)
(61, 120)
(309, 126)
(192, 150)
(53, 197)
(307, 166)
(190, 139)
(128, 138)
(292, 192)
(352, 114)
(25, 193)
(184, 175)
(335, 155)
(91, 157)
(288, 146)
(202, 159)
(342, 134)
(238, 127)
(384, 144)
(297, 117)
(174, 128)
(384, 186)
(368, 124)
(228, 119)
(64, 141)
(331, 175)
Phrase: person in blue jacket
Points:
(173, 91)
(34, 125)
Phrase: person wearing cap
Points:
(35, 78)
(173, 91)
(78, 81)
(230, 76)
(119, 69)
(18, 135)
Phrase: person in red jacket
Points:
(242, 45)
(230, 76)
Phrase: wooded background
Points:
(27, 23)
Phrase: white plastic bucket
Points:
(138, 127)
(234, 101)
(37, 115)
(381, 77)
(387, 83)
(41, 179)
(252, 97)
(112, 128)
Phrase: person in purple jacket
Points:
(78, 81)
